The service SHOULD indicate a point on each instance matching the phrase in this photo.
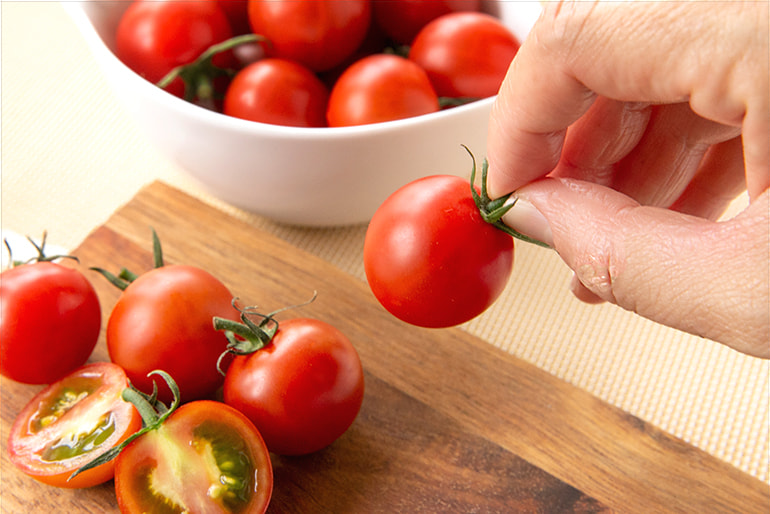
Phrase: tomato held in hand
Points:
(155, 36)
(401, 20)
(205, 457)
(70, 423)
(319, 34)
(163, 321)
(50, 320)
(465, 54)
(280, 92)
(378, 88)
(302, 390)
(430, 257)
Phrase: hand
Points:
(625, 129)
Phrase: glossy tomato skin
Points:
(430, 258)
(303, 390)
(465, 54)
(205, 458)
(155, 36)
(50, 320)
(319, 34)
(163, 320)
(378, 88)
(401, 20)
(279, 92)
(86, 403)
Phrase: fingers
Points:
(703, 277)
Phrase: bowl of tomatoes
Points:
(345, 124)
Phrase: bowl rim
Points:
(78, 12)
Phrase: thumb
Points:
(708, 278)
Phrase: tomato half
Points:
(401, 20)
(71, 422)
(280, 92)
(319, 34)
(155, 36)
(163, 320)
(430, 258)
(378, 88)
(205, 458)
(465, 54)
(303, 390)
(50, 320)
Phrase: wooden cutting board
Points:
(449, 423)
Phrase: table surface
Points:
(71, 156)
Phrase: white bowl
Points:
(304, 176)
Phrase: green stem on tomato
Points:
(491, 210)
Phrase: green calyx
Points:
(247, 336)
(124, 277)
(491, 210)
(40, 257)
(199, 75)
(153, 413)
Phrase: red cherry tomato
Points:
(401, 20)
(163, 320)
(302, 390)
(155, 36)
(50, 320)
(205, 457)
(237, 12)
(319, 34)
(381, 87)
(71, 422)
(430, 258)
(465, 54)
(280, 92)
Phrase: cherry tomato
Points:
(205, 457)
(71, 422)
(237, 12)
(303, 390)
(50, 320)
(280, 92)
(319, 34)
(163, 320)
(430, 258)
(401, 20)
(465, 54)
(155, 36)
(381, 87)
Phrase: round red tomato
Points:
(430, 258)
(71, 422)
(319, 34)
(50, 320)
(401, 20)
(280, 92)
(465, 54)
(303, 390)
(163, 320)
(381, 87)
(156, 36)
(205, 457)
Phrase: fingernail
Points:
(525, 218)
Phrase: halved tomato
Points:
(206, 457)
(71, 422)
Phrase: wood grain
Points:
(449, 423)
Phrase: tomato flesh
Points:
(206, 458)
(70, 423)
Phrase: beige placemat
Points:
(70, 156)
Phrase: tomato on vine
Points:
(50, 319)
(436, 253)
